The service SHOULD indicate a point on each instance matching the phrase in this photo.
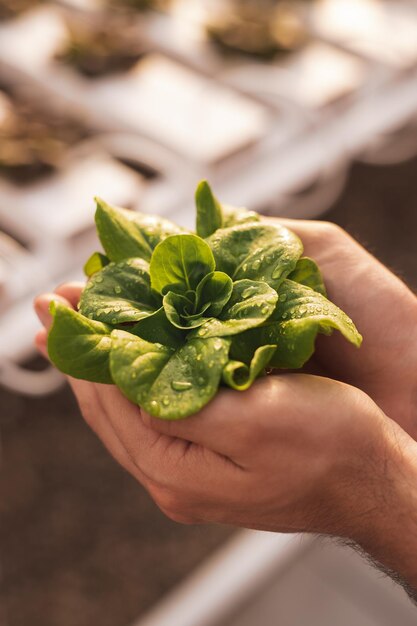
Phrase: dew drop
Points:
(114, 320)
(99, 279)
(265, 310)
(200, 380)
(245, 267)
(248, 292)
(302, 310)
(154, 406)
(117, 309)
(256, 264)
(277, 273)
(165, 401)
(284, 315)
(283, 297)
(181, 385)
(218, 344)
(117, 289)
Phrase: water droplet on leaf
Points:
(218, 344)
(277, 273)
(154, 407)
(181, 385)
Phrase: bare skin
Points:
(296, 452)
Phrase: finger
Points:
(41, 342)
(41, 305)
(88, 398)
(226, 423)
(167, 461)
(71, 291)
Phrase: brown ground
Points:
(81, 544)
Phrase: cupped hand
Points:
(383, 309)
(295, 452)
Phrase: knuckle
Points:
(173, 505)
(332, 231)
(178, 516)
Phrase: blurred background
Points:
(300, 108)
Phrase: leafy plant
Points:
(168, 315)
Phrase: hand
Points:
(383, 309)
(294, 453)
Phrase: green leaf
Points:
(236, 216)
(120, 293)
(250, 304)
(125, 234)
(95, 263)
(79, 347)
(307, 273)
(209, 210)
(179, 311)
(181, 260)
(214, 289)
(167, 383)
(258, 251)
(192, 308)
(300, 315)
(239, 376)
(156, 328)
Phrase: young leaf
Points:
(120, 293)
(307, 273)
(181, 260)
(215, 289)
(156, 328)
(258, 251)
(95, 263)
(239, 376)
(79, 347)
(125, 234)
(209, 210)
(179, 311)
(250, 304)
(167, 383)
(300, 315)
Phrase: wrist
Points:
(383, 511)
